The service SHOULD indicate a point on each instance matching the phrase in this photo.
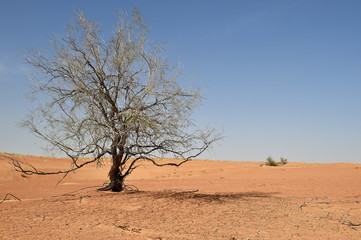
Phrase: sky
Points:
(280, 78)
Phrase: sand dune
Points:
(202, 199)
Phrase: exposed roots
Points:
(124, 187)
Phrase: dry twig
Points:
(9, 194)
(349, 223)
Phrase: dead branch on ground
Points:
(9, 194)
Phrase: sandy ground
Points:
(199, 200)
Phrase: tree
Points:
(116, 98)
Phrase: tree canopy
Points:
(114, 96)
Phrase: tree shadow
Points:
(206, 197)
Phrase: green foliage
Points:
(284, 160)
(271, 162)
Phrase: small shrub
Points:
(271, 162)
(283, 160)
(23, 175)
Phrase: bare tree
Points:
(115, 97)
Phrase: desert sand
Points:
(202, 199)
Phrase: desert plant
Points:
(116, 98)
(284, 160)
(271, 162)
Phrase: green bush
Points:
(283, 160)
(271, 162)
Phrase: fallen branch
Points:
(130, 229)
(303, 205)
(41, 216)
(81, 198)
(349, 223)
(182, 191)
(9, 194)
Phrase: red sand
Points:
(234, 200)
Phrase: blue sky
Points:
(281, 78)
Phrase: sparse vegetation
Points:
(284, 160)
(271, 162)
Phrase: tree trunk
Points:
(116, 178)
(116, 184)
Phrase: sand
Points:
(202, 199)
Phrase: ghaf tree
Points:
(115, 97)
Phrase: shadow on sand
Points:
(207, 197)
